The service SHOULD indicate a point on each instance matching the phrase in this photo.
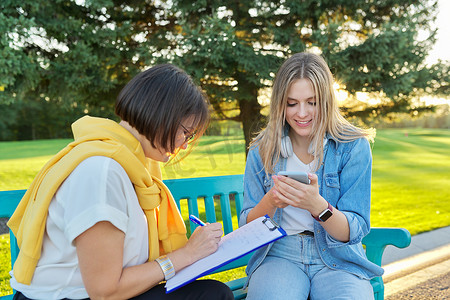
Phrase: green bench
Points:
(219, 198)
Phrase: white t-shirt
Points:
(97, 190)
(294, 219)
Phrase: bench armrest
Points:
(379, 237)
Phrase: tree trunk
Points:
(251, 117)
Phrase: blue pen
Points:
(196, 220)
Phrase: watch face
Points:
(325, 215)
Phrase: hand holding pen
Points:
(205, 239)
(196, 220)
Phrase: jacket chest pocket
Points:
(267, 184)
(333, 189)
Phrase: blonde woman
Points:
(322, 256)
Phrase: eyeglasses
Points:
(187, 135)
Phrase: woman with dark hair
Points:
(98, 222)
(322, 256)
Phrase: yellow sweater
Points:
(96, 137)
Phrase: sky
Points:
(441, 49)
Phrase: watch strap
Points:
(329, 208)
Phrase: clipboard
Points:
(240, 242)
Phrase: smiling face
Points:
(301, 108)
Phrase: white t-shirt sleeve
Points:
(94, 192)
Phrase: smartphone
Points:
(299, 176)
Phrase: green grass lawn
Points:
(5, 265)
(410, 185)
(213, 156)
(411, 179)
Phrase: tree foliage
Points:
(236, 48)
(76, 55)
(81, 53)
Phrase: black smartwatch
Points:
(326, 214)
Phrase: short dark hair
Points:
(157, 100)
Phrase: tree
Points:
(81, 53)
(234, 48)
(76, 55)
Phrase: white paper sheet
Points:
(232, 246)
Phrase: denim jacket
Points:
(344, 181)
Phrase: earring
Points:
(286, 147)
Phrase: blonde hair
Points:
(328, 119)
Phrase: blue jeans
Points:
(293, 269)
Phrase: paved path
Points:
(3, 227)
(420, 271)
(419, 243)
(435, 288)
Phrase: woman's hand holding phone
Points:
(304, 195)
(297, 175)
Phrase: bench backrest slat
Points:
(229, 189)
